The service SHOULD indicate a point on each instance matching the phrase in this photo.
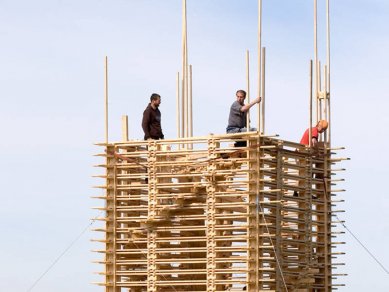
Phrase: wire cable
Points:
(365, 248)
(63, 253)
(353, 235)
(274, 249)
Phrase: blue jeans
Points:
(231, 130)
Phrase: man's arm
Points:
(314, 142)
(145, 124)
(246, 107)
(315, 137)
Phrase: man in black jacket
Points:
(151, 122)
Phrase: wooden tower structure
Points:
(231, 212)
(217, 217)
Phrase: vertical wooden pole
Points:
(310, 102)
(183, 70)
(248, 88)
(327, 166)
(328, 72)
(258, 284)
(319, 99)
(111, 277)
(186, 105)
(325, 101)
(190, 102)
(117, 180)
(124, 128)
(263, 89)
(106, 97)
(182, 107)
(116, 279)
(108, 224)
(110, 212)
(178, 106)
(186, 79)
(259, 61)
(315, 54)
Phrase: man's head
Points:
(322, 125)
(155, 100)
(240, 96)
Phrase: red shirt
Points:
(305, 138)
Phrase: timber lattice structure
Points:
(200, 214)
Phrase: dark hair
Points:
(241, 91)
(154, 96)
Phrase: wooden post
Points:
(124, 128)
(328, 72)
(186, 83)
(113, 224)
(319, 99)
(190, 110)
(182, 107)
(310, 102)
(184, 91)
(190, 102)
(263, 89)
(186, 69)
(259, 61)
(106, 97)
(186, 130)
(327, 167)
(325, 101)
(258, 284)
(248, 88)
(178, 106)
(315, 54)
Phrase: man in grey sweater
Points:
(238, 113)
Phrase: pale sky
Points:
(51, 60)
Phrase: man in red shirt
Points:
(320, 128)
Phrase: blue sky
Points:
(51, 58)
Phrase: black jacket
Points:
(151, 123)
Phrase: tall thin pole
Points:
(258, 198)
(258, 284)
(325, 100)
(182, 108)
(108, 245)
(186, 77)
(263, 88)
(186, 95)
(178, 106)
(315, 53)
(259, 60)
(124, 128)
(248, 88)
(183, 103)
(185, 69)
(106, 97)
(310, 102)
(190, 103)
(328, 90)
(319, 99)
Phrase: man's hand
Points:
(246, 107)
(257, 100)
(314, 142)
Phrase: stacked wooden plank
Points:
(200, 214)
